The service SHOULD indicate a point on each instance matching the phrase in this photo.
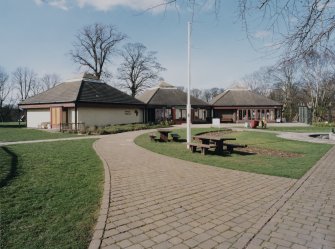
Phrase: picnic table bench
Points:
(164, 134)
(175, 136)
(152, 137)
(230, 147)
(217, 142)
(203, 147)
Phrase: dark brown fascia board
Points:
(106, 105)
(182, 106)
(248, 106)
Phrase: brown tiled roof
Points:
(95, 92)
(240, 97)
(168, 95)
(64, 92)
(147, 95)
(85, 91)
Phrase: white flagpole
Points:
(188, 107)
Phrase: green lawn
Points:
(270, 165)
(13, 134)
(308, 129)
(50, 194)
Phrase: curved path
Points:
(154, 201)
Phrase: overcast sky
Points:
(39, 35)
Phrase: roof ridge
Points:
(156, 90)
(219, 96)
(79, 91)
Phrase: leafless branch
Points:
(138, 69)
(94, 46)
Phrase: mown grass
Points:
(294, 167)
(13, 134)
(308, 129)
(50, 194)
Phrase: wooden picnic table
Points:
(164, 134)
(218, 141)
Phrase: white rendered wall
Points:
(105, 116)
(72, 115)
(36, 116)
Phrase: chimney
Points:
(90, 76)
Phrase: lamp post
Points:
(188, 107)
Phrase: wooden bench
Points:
(193, 147)
(152, 137)
(204, 147)
(227, 120)
(175, 137)
(230, 147)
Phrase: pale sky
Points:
(39, 35)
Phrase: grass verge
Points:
(13, 134)
(50, 194)
(269, 165)
(308, 129)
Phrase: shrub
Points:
(113, 129)
(83, 129)
(324, 124)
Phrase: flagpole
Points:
(188, 107)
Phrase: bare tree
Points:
(215, 91)
(318, 80)
(259, 81)
(299, 25)
(94, 46)
(181, 88)
(4, 87)
(49, 81)
(286, 88)
(139, 68)
(206, 95)
(5, 90)
(196, 92)
(304, 25)
(24, 80)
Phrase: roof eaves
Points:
(108, 103)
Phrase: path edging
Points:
(99, 228)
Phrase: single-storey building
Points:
(84, 101)
(240, 105)
(167, 102)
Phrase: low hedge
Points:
(113, 129)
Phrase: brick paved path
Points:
(307, 219)
(162, 202)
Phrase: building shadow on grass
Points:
(12, 171)
(4, 125)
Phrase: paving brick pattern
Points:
(307, 219)
(161, 202)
